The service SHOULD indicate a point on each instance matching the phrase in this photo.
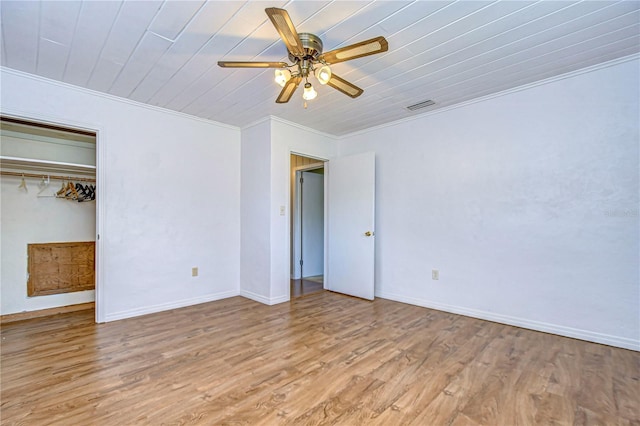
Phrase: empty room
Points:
(320, 212)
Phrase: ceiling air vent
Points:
(420, 105)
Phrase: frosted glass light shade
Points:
(323, 74)
(282, 76)
(309, 92)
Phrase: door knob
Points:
(368, 233)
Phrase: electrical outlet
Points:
(435, 274)
(194, 272)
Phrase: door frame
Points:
(296, 217)
(321, 161)
(100, 314)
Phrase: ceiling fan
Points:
(305, 53)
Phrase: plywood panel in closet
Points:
(61, 268)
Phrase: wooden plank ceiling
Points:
(165, 53)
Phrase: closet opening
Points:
(307, 225)
(48, 194)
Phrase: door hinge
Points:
(301, 180)
(300, 262)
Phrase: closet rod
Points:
(41, 175)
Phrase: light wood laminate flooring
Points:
(322, 359)
(304, 287)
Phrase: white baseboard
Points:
(262, 299)
(590, 336)
(167, 306)
(279, 299)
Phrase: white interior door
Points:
(312, 224)
(350, 241)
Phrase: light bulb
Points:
(309, 92)
(282, 76)
(323, 74)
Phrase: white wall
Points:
(255, 259)
(526, 203)
(169, 199)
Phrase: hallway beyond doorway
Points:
(306, 286)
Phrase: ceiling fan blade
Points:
(233, 64)
(281, 20)
(288, 89)
(357, 50)
(344, 86)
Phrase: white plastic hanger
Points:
(23, 184)
(44, 184)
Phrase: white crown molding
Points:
(527, 86)
(589, 69)
(272, 118)
(305, 128)
(68, 86)
(263, 120)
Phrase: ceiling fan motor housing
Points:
(312, 47)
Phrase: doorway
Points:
(49, 195)
(307, 225)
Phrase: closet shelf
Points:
(45, 166)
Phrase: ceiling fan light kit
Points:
(323, 74)
(282, 76)
(309, 92)
(306, 56)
